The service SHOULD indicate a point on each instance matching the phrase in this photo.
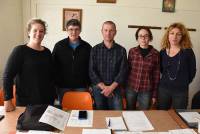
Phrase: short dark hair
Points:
(110, 23)
(145, 28)
(73, 22)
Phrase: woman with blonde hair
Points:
(178, 68)
(31, 66)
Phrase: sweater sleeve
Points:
(191, 65)
(13, 66)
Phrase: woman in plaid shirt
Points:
(144, 72)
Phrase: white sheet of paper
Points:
(182, 131)
(116, 123)
(55, 117)
(128, 132)
(2, 110)
(96, 131)
(137, 121)
(37, 132)
(75, 122)
(190, 116)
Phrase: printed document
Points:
(96, 131)
(55, 117)
(74, 121)
(137, 121)
(190, 116)
(115, 123)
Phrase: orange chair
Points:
(2, 96)
(75, 100)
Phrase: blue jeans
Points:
(172, 98)
(61, 92)
(107, 103)
(143, 99)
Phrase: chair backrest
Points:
(75, 100)
(2, 96)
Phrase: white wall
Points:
(123, 13)
(11, 33)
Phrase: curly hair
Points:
(185, 39)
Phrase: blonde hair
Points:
(36, 21)
(185, 39)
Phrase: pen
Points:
(108, 122)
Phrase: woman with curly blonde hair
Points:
(178, 68)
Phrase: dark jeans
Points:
(107, 103)
(172, 98)
(143, 99)
(61, 92)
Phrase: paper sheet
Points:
(2, 110)
(55, 117)
(115, 123)
(137, 121)
(182, 131)
(75, 122)
(190, 116)
(128, 132)
(96, 131)
(37, 132)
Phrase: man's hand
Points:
(107, 91)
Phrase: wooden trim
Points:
(189, 29)
(138, 26)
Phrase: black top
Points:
(178, 71)
(108, 65)
(71, 66)
(33, 71)
(145, 51)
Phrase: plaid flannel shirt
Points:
(144, 72)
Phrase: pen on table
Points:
(108, 122)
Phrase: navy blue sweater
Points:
(186, 71)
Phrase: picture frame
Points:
(70, 13)
(106, 1)
(168, 6)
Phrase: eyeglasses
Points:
(143, 36)
(73, 30)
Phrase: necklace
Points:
(172, 78)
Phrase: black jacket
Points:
(71, 66)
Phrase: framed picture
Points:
(69, 13)
(106, 1)
(168, 6)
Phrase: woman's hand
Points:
(8, 105)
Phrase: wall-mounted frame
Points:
(69, 13)
(106, 1)
(168, 5)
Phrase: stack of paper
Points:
(137, 121)
(115, 123)
(75, 122)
